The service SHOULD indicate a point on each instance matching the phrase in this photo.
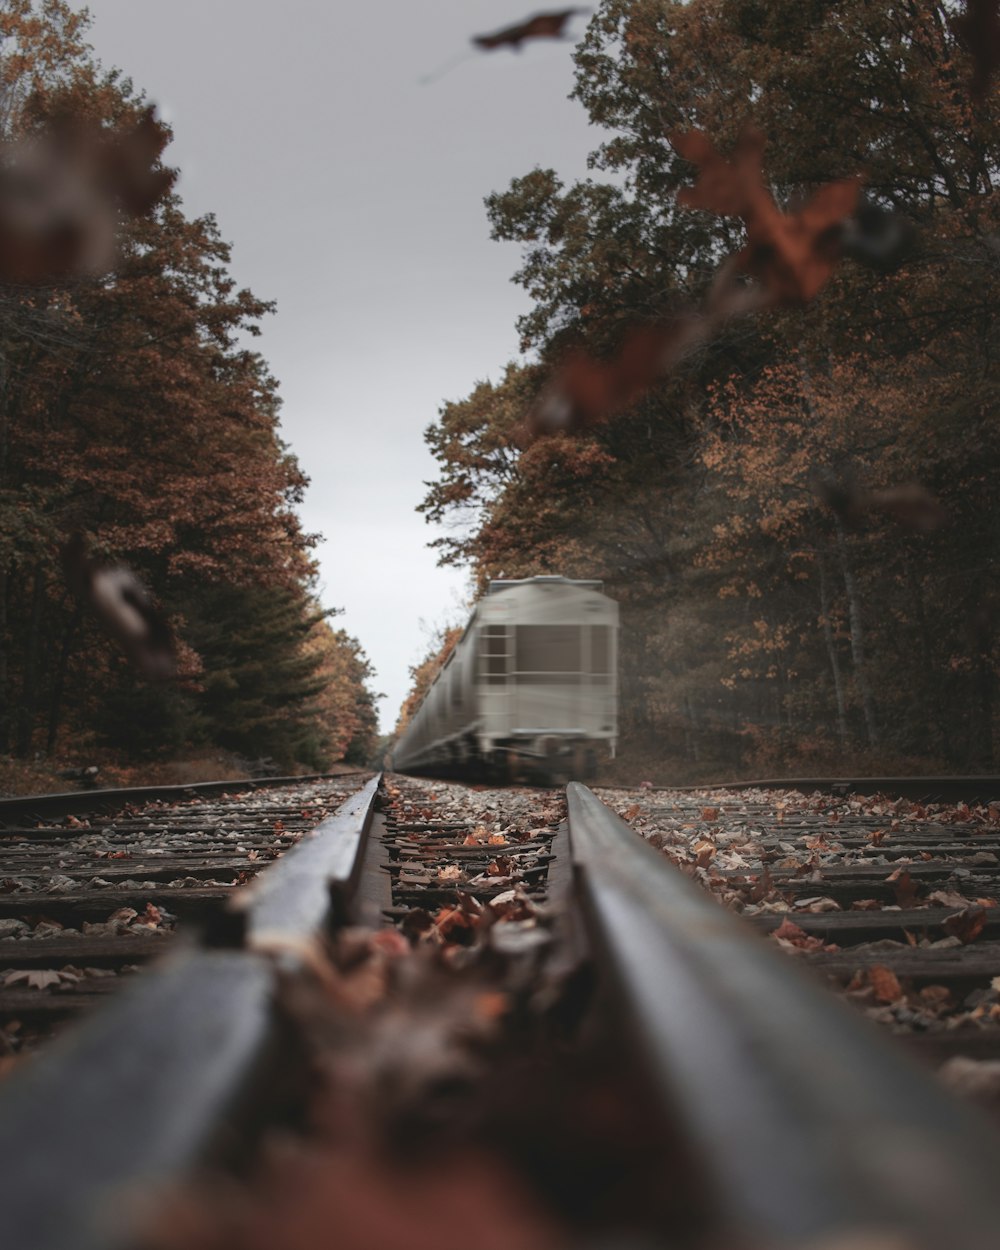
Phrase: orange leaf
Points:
(793, 254)
(885, 984)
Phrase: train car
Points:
(530, 690)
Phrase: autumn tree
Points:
(133, 413)
(764, 619)
(422, 675)
(344, 718)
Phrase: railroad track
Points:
(92, 887)
(895, 900)
(518, 1018)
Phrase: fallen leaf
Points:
(904, 888)
(936, 996)
(789, 932)
(491, 1005)
(885, 984)
(966, 925)
(703, 853)
(949, 898)
(38, 979)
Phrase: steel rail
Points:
(981, 789)
(53, 806)
(308, 890)
(142, 1092)
(807, 1124)
(174, 1071)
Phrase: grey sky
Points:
(353, 197)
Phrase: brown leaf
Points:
(703, 852)
(710, 813)
(793, 254)
(454, 924)
(490, 1005)
(911, 505)
(949, 898)
(966, 925)
(885, 984)
(818, 906)
(789, 932)
(541, 26)
(585, 390)
(936, 996)
(904, 887)
(762, 886)
(63, 189)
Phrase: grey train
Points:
(530, 690)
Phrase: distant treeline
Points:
(132, 417)
(801, 518)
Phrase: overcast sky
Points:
(353, 196)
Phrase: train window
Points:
(600, 648)
(548, 648)
(493, 652)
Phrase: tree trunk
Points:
(691, 731)
(6, 724)
(29, 687)
(831, 651)
(6, 720)
(59, 681)
(857, 640)
(983, 755)
(933, 686)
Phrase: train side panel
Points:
(531, 685)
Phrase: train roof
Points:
(584, 584)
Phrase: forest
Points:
(140, 449)
(786, 476)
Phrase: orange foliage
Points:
(423, 674)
